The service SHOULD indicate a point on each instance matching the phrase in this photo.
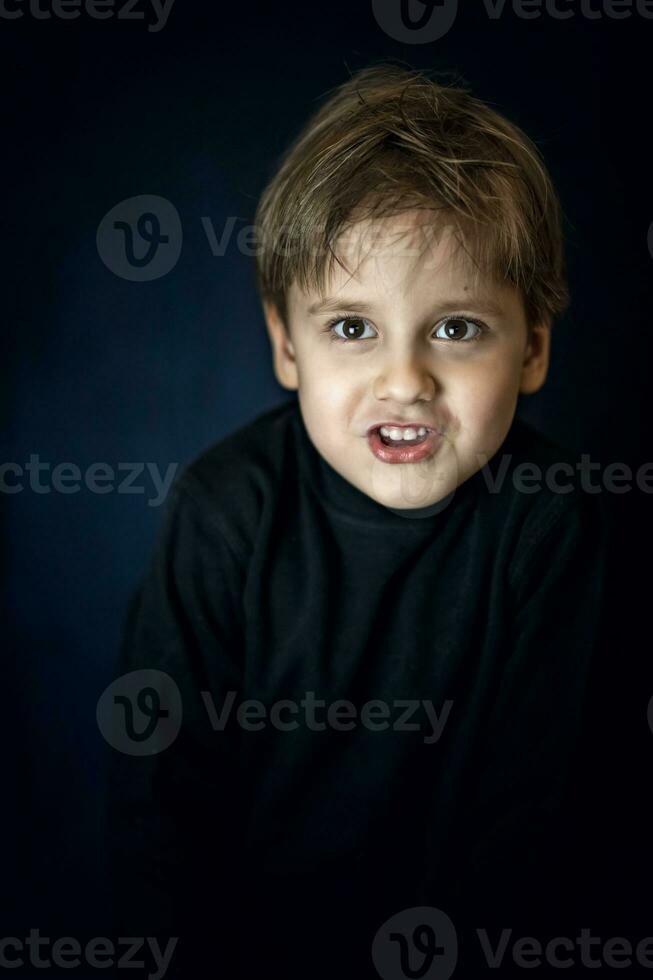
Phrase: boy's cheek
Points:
(330, 399)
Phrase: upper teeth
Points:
(392, 432)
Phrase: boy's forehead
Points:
(411, 238)
(416, 250)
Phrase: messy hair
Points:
(391, 139)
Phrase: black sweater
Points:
(470, 625)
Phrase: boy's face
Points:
(427, 343)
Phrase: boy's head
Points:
(410, 265)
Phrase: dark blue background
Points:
(97, 368)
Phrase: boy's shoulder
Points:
(252, 448)
(232, 480)
(546, 494)
(537, 466)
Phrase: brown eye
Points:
(455, 328)
(353, 328)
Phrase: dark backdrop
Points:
(98, 368)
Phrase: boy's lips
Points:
(409, 452)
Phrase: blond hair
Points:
(393, 138)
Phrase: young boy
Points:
(401, 578)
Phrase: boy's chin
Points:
(404, 489)
(409, 502)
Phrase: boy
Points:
(408, 613)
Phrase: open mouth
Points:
(407, 444)
(421, 434)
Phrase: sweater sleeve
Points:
(519, 823)
(173, 817)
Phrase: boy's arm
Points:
(173, 815)
(518, 823)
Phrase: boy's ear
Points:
(283, 353)
(536, 359)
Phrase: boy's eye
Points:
(455, 328)
(353, 329)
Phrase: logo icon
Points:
(140, 712)
(416, 944)
(415, 21)
(140, 238)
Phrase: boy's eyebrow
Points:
(333, 304)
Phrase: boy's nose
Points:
(405, 379)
